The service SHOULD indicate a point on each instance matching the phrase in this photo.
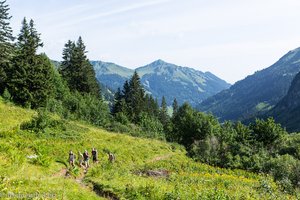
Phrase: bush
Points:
(267, 132)
(6, 95)
(41, 123)
(122, 118)
(151, 126)
(285, 170)
(86, 107)
(38, 123)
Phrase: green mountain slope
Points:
(257, 93)
(164, 79)
(144, 168)
(287, 111)
(110, 74)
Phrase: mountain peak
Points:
(158, 62)
(160, 78)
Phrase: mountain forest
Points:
(215, 141)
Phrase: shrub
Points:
(122, 118)
(285, 170)
(44, 124)
(6, 95)
(151, 126)
(38, 123)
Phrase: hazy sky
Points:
(230, 38)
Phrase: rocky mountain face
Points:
(164, 79)
(257, 93)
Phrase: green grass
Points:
(126, 178)
(263, 106)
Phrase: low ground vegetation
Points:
(129, 177)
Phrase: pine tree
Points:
(175, 106)
(151, 106)
(117, 106)
(31, 75)
(126, 91)
(136, 101)
(163, 115)
(67, 70)
(6, 46)
(28, 40)
(77, 70)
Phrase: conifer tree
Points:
(31, 75)
(6, 46)
(67, 70)
(126, 91)
(175, 106)
(136, 99)
(77, 70)
(163, 115)
(117, 106)
(151, 106)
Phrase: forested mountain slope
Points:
(256, 93)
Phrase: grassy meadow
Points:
(144, 168)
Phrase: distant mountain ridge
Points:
(164, 79)
(257, 93)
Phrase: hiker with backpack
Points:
(95, 155)
(71, 159)
(86, 159)
(111, 157)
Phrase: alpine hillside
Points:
(160, 78)
(287, 111)
(257, 93)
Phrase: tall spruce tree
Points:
(117, 106)
(152, 107)
(132, 101)
(31, 75)
(6, 46)
(67, 70)
(77, 70)
(163, 115)
(175, 106)
(136, 100)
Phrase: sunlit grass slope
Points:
(173, 175)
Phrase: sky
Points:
(230, 38)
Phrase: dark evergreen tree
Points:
(175, 106)
(126, 91)
(163, 114)
(6, 46)
(77, 70)
(30, 77)
(117, 106)
(66, 69)
(135, 100)
(151, 106)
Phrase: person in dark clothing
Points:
(111, 157)
(86, 159)
(95, 155)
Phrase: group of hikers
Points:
(83, 158)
